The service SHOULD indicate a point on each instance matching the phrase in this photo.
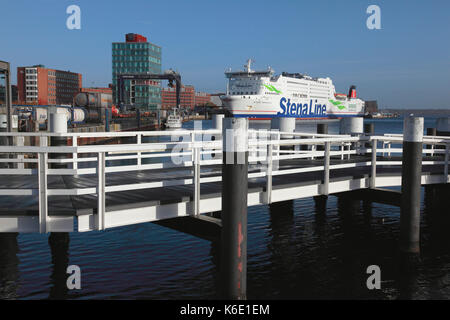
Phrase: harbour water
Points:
(310, 254)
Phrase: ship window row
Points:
(242, 93)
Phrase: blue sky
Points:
(405, 64)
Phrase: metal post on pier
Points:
(411, 182)
(58, 124)
(234, 208)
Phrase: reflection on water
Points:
(59, 248)
(9, 273)
(299, 250)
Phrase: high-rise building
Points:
(43, 86)
(189, 98)
(137, 55)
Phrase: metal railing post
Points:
(74, 155)
(269, 173)
(139, 141)
(192, 147)
(326, 171)
(197, 158)
(313, 149)
(101, 197)
(373, 174)
(43, 199)
(20, 142)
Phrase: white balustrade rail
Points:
(192, 149)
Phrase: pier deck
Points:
(144, 189)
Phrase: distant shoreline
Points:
(418, 112)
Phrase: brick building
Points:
(188, 97)
(43, 86)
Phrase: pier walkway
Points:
(152, 176)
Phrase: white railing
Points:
(197, 149)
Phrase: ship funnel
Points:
(352, 92)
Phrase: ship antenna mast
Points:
(248, 65)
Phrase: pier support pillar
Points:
(217, 120)
(321, 204)
(411, 181)
(59, 248)
(234, 208)
(283, 125)
(281, 208)
(58, 241)
(353, 126)
(58, 124)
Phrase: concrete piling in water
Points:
(58, 241)
(217, 120)
(234, 208)
(59, 248)
(353, 126)
(283, 125)
(411, 182)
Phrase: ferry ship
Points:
(261, 95)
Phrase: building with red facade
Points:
(43, 86)
(188, 98)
